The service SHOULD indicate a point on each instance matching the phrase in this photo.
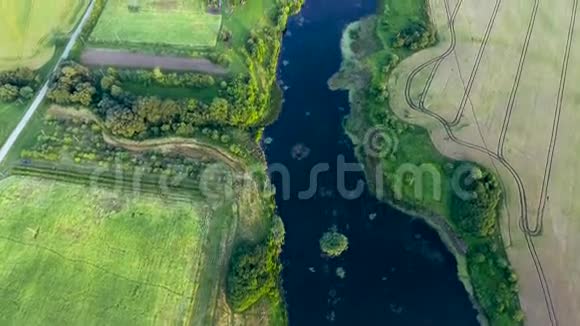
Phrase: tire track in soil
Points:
(521, 189)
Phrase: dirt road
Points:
(126, 59)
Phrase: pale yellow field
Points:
(522, 81)
(27, 28)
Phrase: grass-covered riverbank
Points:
(416, 176)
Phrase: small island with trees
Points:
(333, 243)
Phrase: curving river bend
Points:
(396, 271)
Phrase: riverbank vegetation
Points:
(476, 219)
(372, 47)
(254, 269)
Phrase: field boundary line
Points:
(88, 263)
(555, 127)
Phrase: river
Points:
(396, 270)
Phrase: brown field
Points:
(500, 89)
(115, 58)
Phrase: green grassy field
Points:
(76, 255)
(27, 29)
(243, 19)
(9, 117)
(179, 23)
(240, 21)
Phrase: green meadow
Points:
(72, 255)
(177, 23)
(10, 114)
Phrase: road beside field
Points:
(44, 90)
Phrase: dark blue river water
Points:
(396, 271)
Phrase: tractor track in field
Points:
(524, 218)
(555, 128)
(476, 66)
(95, 266)
(467, 86)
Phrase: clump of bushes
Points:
(333, 244)
(495, 282)
(18, 84)
(255, 269)
(379, 89)
(220, 58)
(160, 78)
(475, 215)
(225, 35)
(73, 85)
(415, 36)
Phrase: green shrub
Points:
(333, 244)
(17, 84)
(476, 218)
(476, 215)
(415, 36)
(255, 269)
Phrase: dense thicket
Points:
(255, 269)
(475, 204)
(333, 244)
(158, 77)
(415, 36)
(73, 85)
(475, 214)
(17, 84)
(133, 116)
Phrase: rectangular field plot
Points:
(169, 22)
(74, 255)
